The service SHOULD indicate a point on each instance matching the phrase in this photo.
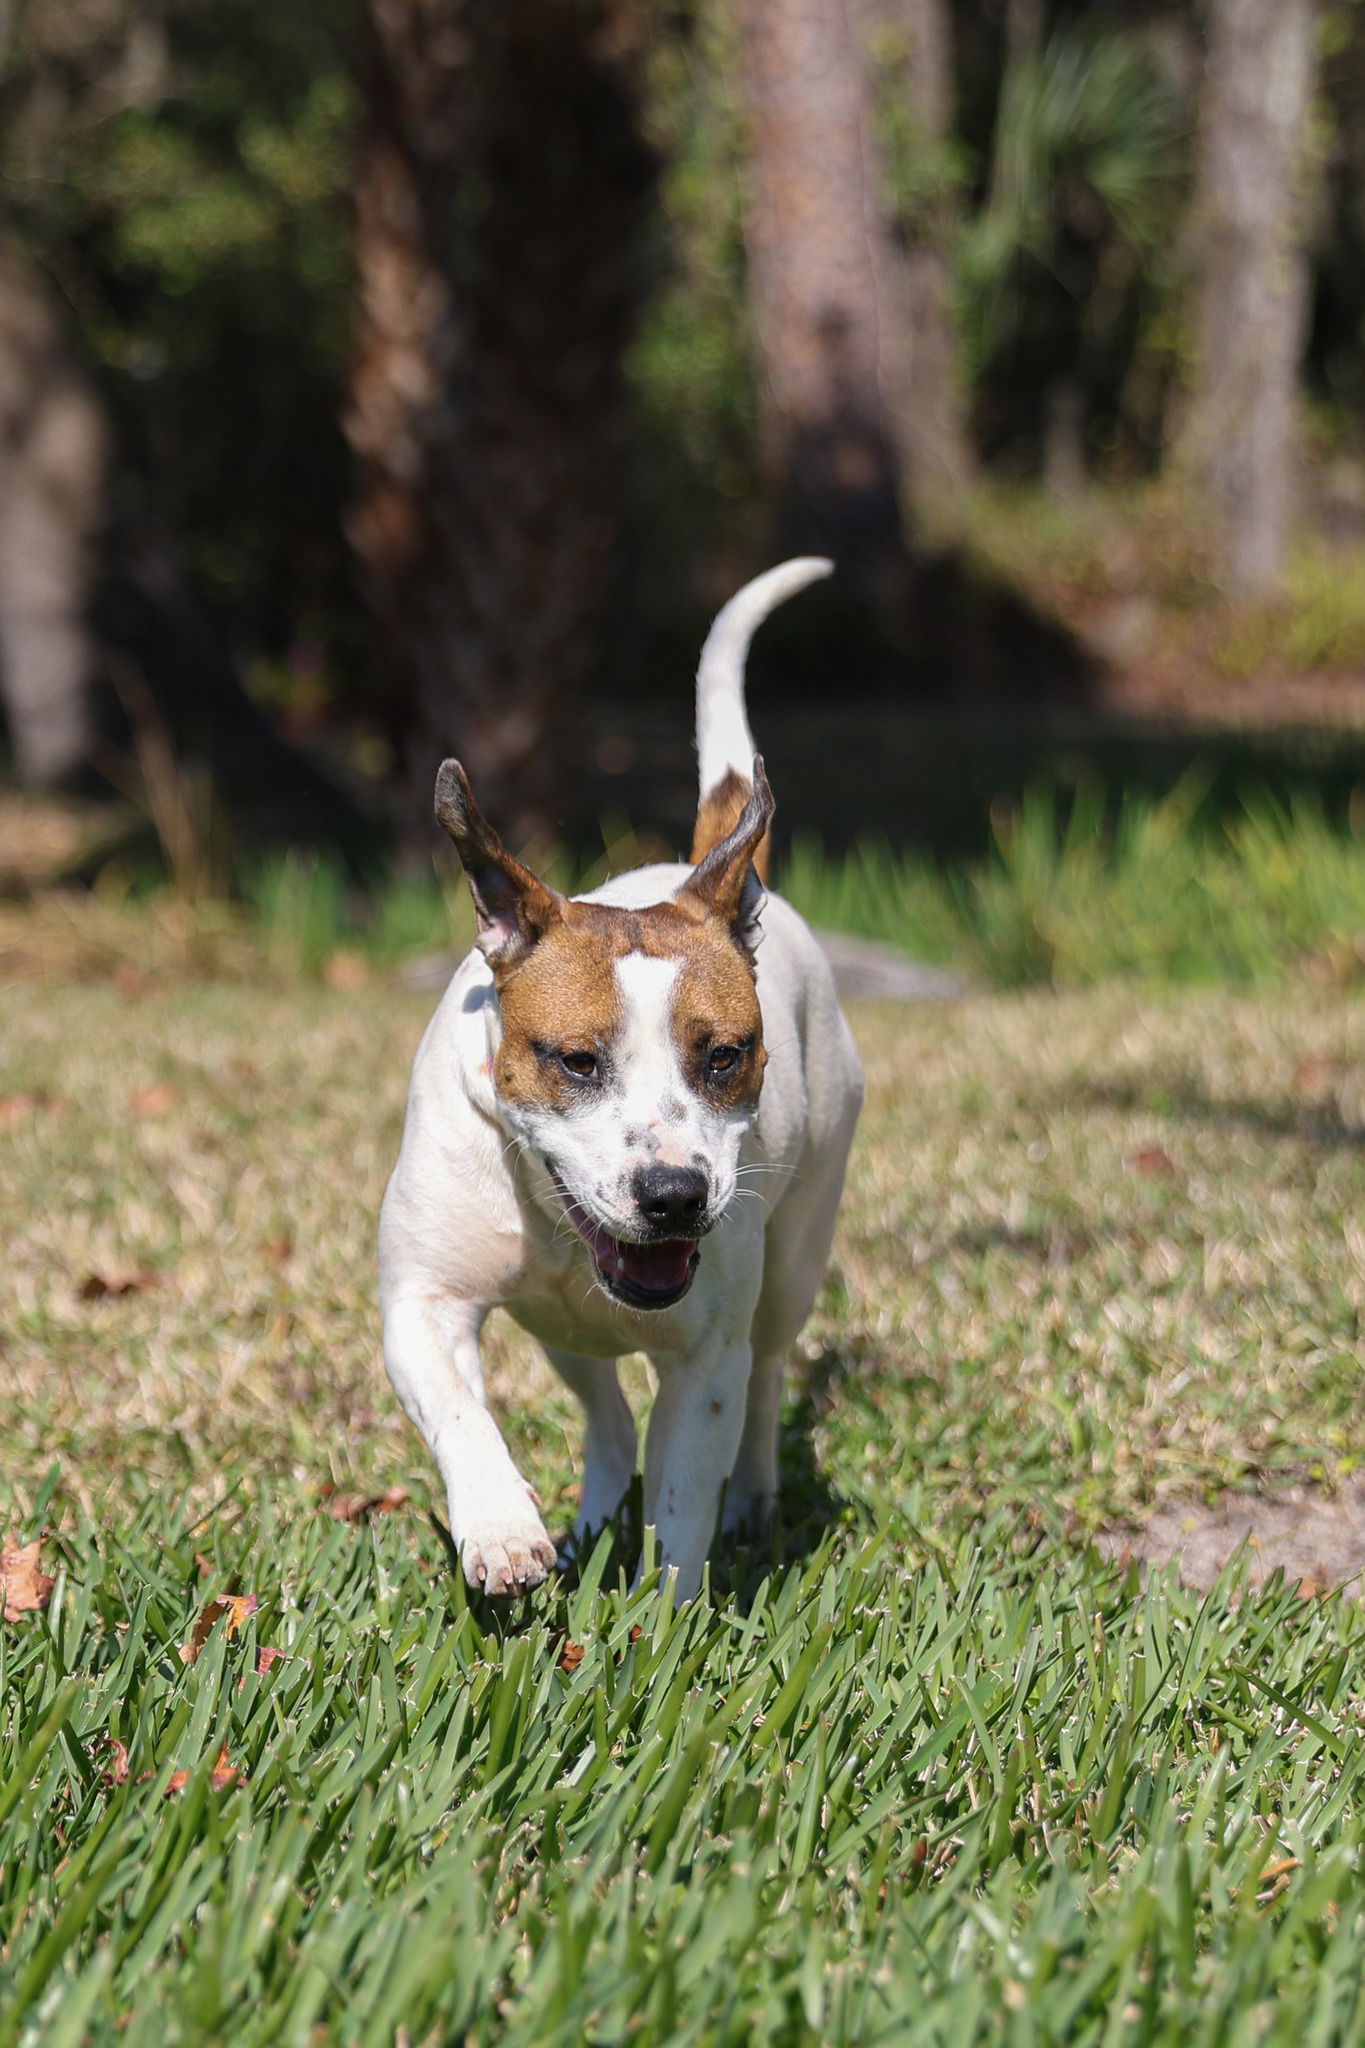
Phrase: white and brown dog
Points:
(628, 1126)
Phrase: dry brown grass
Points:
(1097, 1250)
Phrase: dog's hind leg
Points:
(799, 1235)
(690, 1445)
(609, 1444)
(751, 1490)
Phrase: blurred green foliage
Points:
(1069, 267)
(182, 175)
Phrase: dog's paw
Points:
(508, 1557)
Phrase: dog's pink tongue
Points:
(656, 1268)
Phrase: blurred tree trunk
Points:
(812, 234)
(53, 452)
(1238, 436)
(912, 51)
(500, 202)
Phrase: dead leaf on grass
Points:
(26, 1103)
(1151, 1159)
(267, 1656)
(153, 1101)
(346, 969)
(221, 1778)
(278, 1249)
(570, 1656)
(116, 1770)
(25, 1586)
(236, 1606)
(224, 1773)
(96, 1286)
(355, 1507)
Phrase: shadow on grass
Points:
(809, 1508)
(1055, 1248)
(1323, 1126)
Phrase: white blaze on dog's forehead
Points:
(654, 1090)
(646, 1045)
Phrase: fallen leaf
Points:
(223, 1773)
(354, 1507)
(221, 1778)
(116, 1770)
(346, 969)
(14, 1108)
(153, 1101)
(571, 1656)
(1151, 1159)
(236, 1606)
(26, 1588)
(96, 1285)
(267, 1656)
(278, 1250)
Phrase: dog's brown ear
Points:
(514, 907)
(725, 885)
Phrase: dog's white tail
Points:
(724, 743)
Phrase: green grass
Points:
(1078, 893)
(923, 1770)
(1079, 887)
(897, 1794)
(1077, 890)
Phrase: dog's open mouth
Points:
(641, 1275)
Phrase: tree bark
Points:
(911, 42)
(1238, 437)
(500, 200)
(812, 235)
(53, 456)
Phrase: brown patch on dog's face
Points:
(717, 1024)
(561, 1002)
(562, 1006)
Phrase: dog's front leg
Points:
(431, 1349)
(694, 1432)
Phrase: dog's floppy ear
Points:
(725, 885)
(514, 907)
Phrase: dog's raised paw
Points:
(508, 1561)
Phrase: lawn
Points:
(927, 1769)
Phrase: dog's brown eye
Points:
(723, 1059)
(582, 1065)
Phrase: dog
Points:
(628, 1126)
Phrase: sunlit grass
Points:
(922, 1771)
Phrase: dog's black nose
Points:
(671, 1198)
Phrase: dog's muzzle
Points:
(655, 1272)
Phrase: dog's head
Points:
(632, 1045)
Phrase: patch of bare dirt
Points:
(1315, 1539)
